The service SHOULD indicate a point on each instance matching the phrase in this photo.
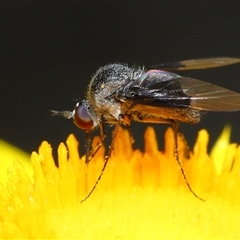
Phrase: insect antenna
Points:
(176, 130)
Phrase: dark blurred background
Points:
(50, 50)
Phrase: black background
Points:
(50, 50)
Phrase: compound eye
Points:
(82, 118)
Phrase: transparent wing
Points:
(201, 63)
(165, 89)
(210, 97)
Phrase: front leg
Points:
(91, 153)
(122, 119)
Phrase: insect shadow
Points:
(118, 94)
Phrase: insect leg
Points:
(90, 154)
(106, 158)
(88, 143)
(175, 130)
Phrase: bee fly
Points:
(118, 94)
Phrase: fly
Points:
(118, 94)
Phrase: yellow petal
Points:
(142, 195)
(8, 154)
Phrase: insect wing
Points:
(209, 97)
(201, 63)
(157, 88)
(166, 89)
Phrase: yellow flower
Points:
(140, 196)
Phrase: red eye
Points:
(82, 118)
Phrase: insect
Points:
(118, 94)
